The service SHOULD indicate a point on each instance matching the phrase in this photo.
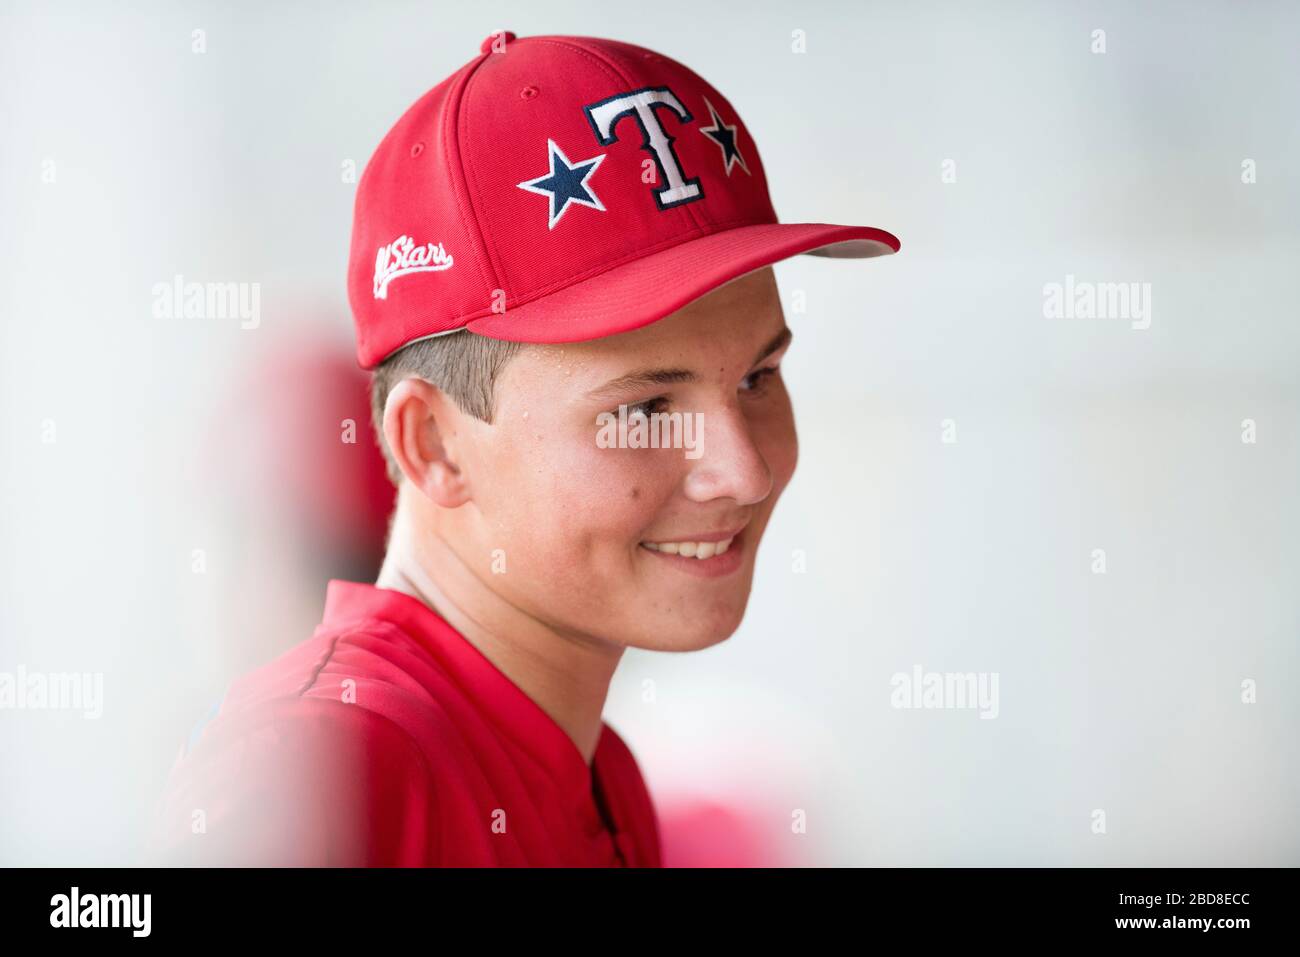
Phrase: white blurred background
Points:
(130, 445)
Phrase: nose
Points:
(730, 464)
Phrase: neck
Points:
(566, 674)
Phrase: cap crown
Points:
(534, 168)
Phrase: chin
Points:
(690, 633)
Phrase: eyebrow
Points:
(645, 377)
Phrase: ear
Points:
(418, 418)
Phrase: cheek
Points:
(621, 492)
(568, 505)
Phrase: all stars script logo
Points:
(402, 257)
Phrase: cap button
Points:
(486, 45)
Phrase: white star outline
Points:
(727, 161)
(551, 151)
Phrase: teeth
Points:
(700, 550)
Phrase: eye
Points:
(647, 408)
(758, 379)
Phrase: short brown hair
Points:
(462, 364)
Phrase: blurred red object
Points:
(298, 444)
(704, 832)
(326, 463)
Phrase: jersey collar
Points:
(503, 703)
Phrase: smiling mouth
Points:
(703, 547)
(689, 549)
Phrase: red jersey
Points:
(387, 739)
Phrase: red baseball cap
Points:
(556, 189)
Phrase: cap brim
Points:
(647, 289)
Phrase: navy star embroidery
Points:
(725, 137)
(566, 183)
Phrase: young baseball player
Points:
(560, 275)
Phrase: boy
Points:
(566, 232)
